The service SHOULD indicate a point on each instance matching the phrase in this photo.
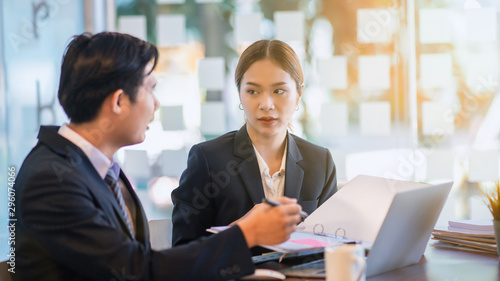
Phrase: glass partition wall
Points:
(398, 89)
(34, 35)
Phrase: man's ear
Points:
(118, 101)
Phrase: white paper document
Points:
(465, 232)
(481, 225)
(393, 218)
(300, 241)
(306, 241)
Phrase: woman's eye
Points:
(252, 92)
(279, 91)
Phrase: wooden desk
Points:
(447, 265)
(444, 265)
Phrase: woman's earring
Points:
(240, 106)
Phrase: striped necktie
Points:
(117, 191)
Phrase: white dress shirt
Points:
(101, 163)
(274, 186)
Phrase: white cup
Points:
(345, 263)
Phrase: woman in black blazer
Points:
(227, 176)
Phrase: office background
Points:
(399, 89)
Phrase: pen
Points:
(273, 203)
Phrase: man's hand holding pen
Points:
(267, 224)
(274, 203)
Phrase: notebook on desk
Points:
(396, 216)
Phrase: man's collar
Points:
(100, 162)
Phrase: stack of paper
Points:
(466, 235)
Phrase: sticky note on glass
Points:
(482, 72)
(483, 166)
(207, 1)
(133, 25)
(481, 24)
(289, 26)
(136, 164)
(436, 71)
(173, 162)
(170, 1)
(437, 119)
(247, 28)
(334, 119)
(171, 30)
(375, 118)
(333, 72)
(211, 73)
(374, 72)
(213, 118)
(375, 25)
(439, 164)
(172, 117)
(435, 26)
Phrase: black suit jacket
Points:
(222, 182)
(69, 227)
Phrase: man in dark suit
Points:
(78, 217)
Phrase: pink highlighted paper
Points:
(311, 242)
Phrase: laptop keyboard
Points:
(312, 264)
(298, 256)
(313, 269)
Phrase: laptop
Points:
(405, 225)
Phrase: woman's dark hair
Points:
(275, 50)
(95, 66)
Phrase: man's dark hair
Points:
(95, 66)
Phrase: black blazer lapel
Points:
(77, 160)
(249, 167)
(294, 174)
